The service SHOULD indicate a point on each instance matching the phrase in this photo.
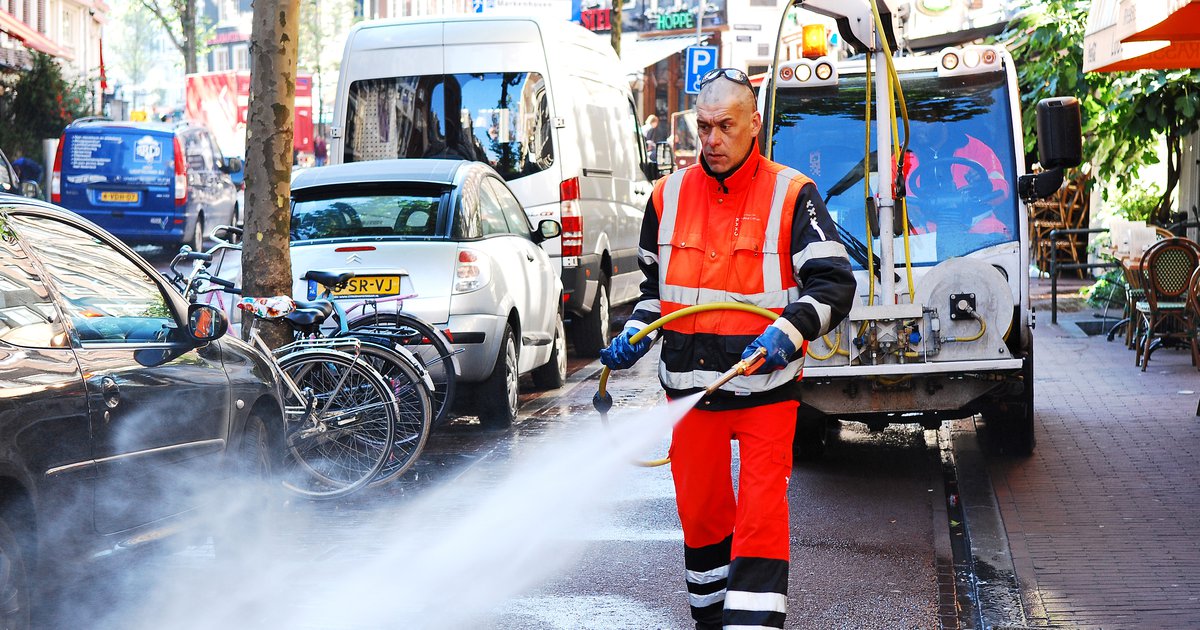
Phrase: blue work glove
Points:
(779, 347)
(620, 354)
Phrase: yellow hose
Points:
(659, 323)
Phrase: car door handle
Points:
(110, 391)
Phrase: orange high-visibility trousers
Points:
(735, 547)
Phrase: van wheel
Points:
(197, 240)
(592, 332)
(14, 582)
(554, 372)
(497, 400)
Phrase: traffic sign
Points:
(700, 59)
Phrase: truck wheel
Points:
(812, 435)
(554, 372)
(15, 584)
(497, 399)
(1010, 417)
(592, 332)
(1018, 436)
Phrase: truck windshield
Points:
(499, 118)
(959, 173)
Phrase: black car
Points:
(121, 405)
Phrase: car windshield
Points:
(959, 170)
(499, 118)
(408, 215)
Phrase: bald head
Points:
(724, 91)
(728, 121)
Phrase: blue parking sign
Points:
(700, 59)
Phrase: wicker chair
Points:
(1167, 266)
(1192, 314)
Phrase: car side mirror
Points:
(233, 165)
(547, 229)
(31, 189)
(206, 323)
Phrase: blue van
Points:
(160, 183)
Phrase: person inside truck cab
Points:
(952, 168)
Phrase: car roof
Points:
(164, 127)
(444, 172)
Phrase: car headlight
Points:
(471, 272)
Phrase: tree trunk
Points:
(269, 130)
(615, 17)
(189, 36)
(1174, 157)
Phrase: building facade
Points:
(68, 30)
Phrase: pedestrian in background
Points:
(320, 150)
(736, 224)
(28, 170)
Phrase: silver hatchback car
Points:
(448, 242)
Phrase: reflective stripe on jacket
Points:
(717, 244)
(761, 235)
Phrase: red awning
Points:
(30, 37)
(1129, 35)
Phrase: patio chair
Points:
(1134, 279)
(1192, 309)
(1167, 268)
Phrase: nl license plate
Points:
(367, 286)
(123, 197)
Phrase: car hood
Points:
(429, 268)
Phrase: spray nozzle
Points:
(602, 402)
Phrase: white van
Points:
(545, 102)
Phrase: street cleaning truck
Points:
(918, 159)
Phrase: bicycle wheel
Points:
(423, 340)
(340, 445)
(414, 406)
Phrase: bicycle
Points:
(315, 367)
(340, 414)
(399, 368)
(429, 345)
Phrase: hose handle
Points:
(745, 366)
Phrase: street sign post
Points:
(700, 59)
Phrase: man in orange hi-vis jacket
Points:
(736, 227)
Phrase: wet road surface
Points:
(547, 526)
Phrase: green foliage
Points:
(1125, 114)
(1136, 202)
(1109, 290)
(38, 104)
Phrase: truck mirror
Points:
(1060, 145)
(663, 161)
(233, 165)
(1040, 185)
(1060, 141)
(664, 157)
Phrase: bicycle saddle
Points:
(325, 307)
(328, 278)
(267, 307)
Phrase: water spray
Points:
(603, 401)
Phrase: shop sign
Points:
(596, 19)
(675, 21)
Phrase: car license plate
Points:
(123, 197)
(371, 286)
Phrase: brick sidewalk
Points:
(1103, 521)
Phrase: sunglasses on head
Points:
(732, 74)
